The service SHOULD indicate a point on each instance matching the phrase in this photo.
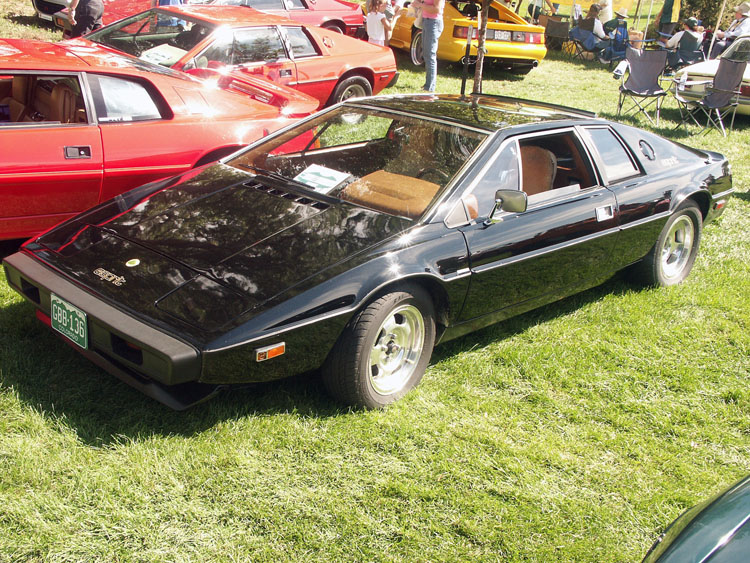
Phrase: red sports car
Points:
(323, 64)
(80, 124)
(336, 15)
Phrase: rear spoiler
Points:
(291, 102)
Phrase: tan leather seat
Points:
(63, 104)
(19, 97)
(539, 169)
(392, 193)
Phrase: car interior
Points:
(28, 98)
(553, 165)
(399, 174)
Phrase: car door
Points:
(317, 74)
(558, 246)
(52, 153)
(643, 200)
(257, 50)
(141, 141)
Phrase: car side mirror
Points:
(513, 201)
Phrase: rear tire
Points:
(670, 260)
(384, 350)
(336, 28)
(415, 49)
(351, 87)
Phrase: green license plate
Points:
(70, 321)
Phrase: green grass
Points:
(572, 433)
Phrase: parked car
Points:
(337, 15)
(697, 76)
(511, 42)
(321, 63)
(79, 125)
(46, 9)
(716, 530)
(360, 237)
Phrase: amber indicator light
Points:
(263, 354)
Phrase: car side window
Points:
(245, 46)
(44, 99)
(617, 164)
(502, 174)
(119, 99)
(266, 4)
(295, 5)
(300, 43)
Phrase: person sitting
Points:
(594, 40)
(614, 48)
(739, 26)
(685, 44)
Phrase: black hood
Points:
(216, 245)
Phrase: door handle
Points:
(77, 152)
(604, 213)
(285, 72)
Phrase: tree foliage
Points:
(708, 11)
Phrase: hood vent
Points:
(296, 198)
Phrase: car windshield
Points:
(154, 36)
(738, 51)
(384, 161)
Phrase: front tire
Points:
(670, 260)
(351, 87)
(415, 49)
(384, 350)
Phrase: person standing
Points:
(432, 27)
(739, 26)
(377, 24)
(534, 9)
(668, 17)
(85, 16)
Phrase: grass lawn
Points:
(576, 432)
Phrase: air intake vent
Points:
(302, 200)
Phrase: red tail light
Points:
(463, 32)
(535, 38)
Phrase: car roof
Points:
(477, 110)
(232, 16)
(35, 55)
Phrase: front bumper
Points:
(144, 357)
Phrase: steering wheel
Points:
(432, 170)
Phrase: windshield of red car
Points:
(155, 36)
(388, 162)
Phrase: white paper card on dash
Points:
(320, 178)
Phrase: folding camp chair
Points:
(688, 52)
(582, 39)
(721, 97)
(645, 68)
(556, 33)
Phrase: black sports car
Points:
(358, 238)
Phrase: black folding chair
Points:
(642, 86)
(720, 98)
(556, 33)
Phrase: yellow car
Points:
(511, 43)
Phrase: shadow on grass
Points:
(616, 285)
(8, 247)
(52, 379)
(30, 21)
